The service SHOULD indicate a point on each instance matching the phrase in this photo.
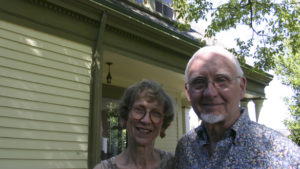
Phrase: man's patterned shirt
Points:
(246, 145)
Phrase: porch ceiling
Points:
(126, 71)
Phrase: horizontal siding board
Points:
(36, 60)
(42, 44)
(43, 70)
(27, 32)
(43, 164)
(43, 107)
(41, 116)
(43, 53)
(172, 130)
(169, 142)
(42, 154)
(41, 88)
(29, 144)
(42, 135)
(42, 125)
(40, 79)
(44, 98)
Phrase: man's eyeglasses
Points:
(220, 82)
(138, 113)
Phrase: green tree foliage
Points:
(274, 45)
(289, 68)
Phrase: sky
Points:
(274, 110)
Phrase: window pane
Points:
(168, 12)
(158, 6)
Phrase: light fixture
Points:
(108, 77)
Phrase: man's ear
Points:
(243, 84)
(187, 91)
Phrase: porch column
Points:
(258, 105)
(95, 119)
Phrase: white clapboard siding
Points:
(169, 142)
(45, 71)
(33, 144)
(44, 99)
(42, 125)
(42, 107)
(41, 79)
(42, 154)
(47, 164)
(36, 87)
(17, 133)
(42, 116)
(23, 50)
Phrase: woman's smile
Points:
(143, 130)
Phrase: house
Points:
(55, 102)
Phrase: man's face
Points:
(218, 102)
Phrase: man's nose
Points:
(210, 90)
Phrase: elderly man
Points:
(227, 138)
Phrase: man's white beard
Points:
(211, 118)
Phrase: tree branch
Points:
(251, 20)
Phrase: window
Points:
(164, 8)
(167, 11)
(158, 7)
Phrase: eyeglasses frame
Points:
(145, 112)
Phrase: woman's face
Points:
(145, 120)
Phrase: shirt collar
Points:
(240, 123)
(201, 133)
(233, 132)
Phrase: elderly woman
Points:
(146, 111)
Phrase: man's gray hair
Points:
(214, 49)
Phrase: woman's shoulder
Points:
(167, 159)
(107, 164)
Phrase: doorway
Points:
(114, 139)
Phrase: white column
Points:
(258, 105)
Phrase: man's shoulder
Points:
(259, 142)
(190, 135)
(259, 130)
(264, 136)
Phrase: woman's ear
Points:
(162, 132)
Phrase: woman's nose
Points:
(146, 118)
